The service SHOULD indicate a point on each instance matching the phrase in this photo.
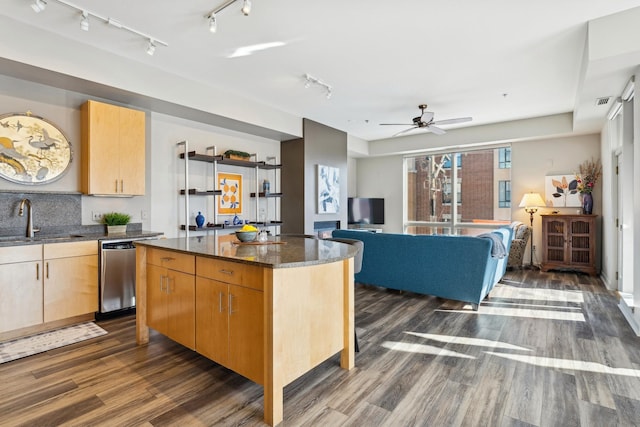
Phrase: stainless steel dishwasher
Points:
(117, 275)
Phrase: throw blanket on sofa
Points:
(498, 250)
(454, 267)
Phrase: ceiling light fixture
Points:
(212, 16)
(151, 48)
(615, 109)
(213, 23)
(246, 7)
(39, 6)
(309, 79)
(629, 90)
(84, 23)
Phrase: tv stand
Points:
(369, 229)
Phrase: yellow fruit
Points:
(248, 227)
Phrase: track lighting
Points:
(213, 23)
(213, 15)
(309, 79)
(151, 48)
(84, 23)
(246, 7)
(38, 6)
(629, 89)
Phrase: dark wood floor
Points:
(547, 349)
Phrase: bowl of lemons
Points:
(248, 233)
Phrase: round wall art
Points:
(32, 149)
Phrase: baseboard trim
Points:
(625, 304)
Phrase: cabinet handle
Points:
(230, 303)
(122, 186)
(47, 268)
(116, 185)
(167, 259)
(220, 307)
(229, 272)
(161, 282)
(169, 285)
(38, 271)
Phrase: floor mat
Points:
(45, 341)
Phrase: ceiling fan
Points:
(425, 120)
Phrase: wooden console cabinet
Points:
(569, 243)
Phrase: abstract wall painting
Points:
(230, 202)
(561, 191)
(328, 189)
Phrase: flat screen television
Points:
(365, 210)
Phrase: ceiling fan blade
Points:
(404, 131)
(427, 116)
(452, 121)
(436, 130)
(396, 124)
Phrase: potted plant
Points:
(116, 222)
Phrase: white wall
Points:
(167, 171)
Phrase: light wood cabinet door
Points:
(212, 320)
(181, 319)
(70, 287)
(132, 151)
(113, 150)
(171, 304)
(246, 332)
(157, 298)
(20, 295)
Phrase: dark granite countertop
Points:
(74, 237)
(281, 252)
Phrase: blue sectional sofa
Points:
(460, 268)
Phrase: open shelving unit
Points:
(260, 218)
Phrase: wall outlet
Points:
(96, 216)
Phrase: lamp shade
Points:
(532, 200)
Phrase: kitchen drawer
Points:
(70, 249)
(172, 260)
(236, 273)
(11, 254)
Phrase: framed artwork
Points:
(230, 202)
(32, 149)
(561, 191)
(328, 189)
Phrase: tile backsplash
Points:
(52, 212)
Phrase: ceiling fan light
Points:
(38, 6)
(246, 7)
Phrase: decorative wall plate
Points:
(32, 149)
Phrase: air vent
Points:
(603, 101)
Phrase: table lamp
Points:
(531, 202)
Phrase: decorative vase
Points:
(587, 203)
(199, 220)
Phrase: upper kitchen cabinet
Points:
(113, 150)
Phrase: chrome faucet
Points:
(30, 229)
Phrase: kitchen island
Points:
(270, 312)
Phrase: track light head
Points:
(38, 6)
(246, 7)
(151, 49)
(213, 23)
(84, 23)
